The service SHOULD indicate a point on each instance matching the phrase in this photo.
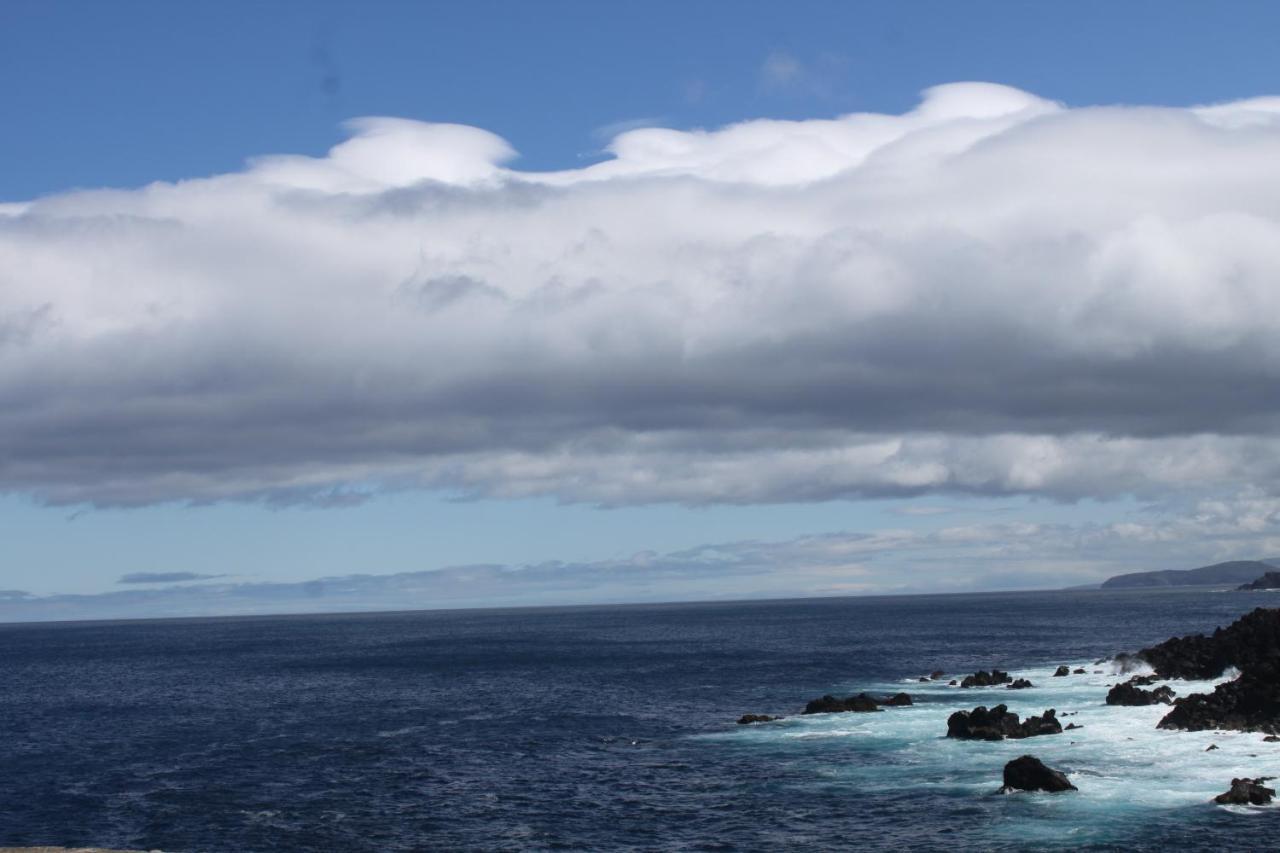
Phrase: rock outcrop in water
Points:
(982, 678)
(1271, 580)
(1251, 644)
(831, 705)
(999, 723)
(898, 700)
(1252, 640)
(1246, 792)
(1020, 684)
(1129, 693)
(1061, 671)
(1251, 703)
(1029, 773)
(748, 719)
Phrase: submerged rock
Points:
(1061, 671)
(1029, 773)
(898, 699)
(747, 719)
(1020, 684)
(982, 678)
(1130, 694)
(936, 674)
(1246, 792)
(999, 723)
(1211, 747)
(1078, 671)
(831, 705)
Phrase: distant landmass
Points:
(1233, 572)
(1271, 580)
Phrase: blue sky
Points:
(125, 94)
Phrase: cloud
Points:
(990, 294)
(956, 555)
(164, 577)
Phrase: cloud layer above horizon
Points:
(989, 294)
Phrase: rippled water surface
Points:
(606, 728)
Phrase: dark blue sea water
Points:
(598, 728)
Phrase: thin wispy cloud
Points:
(959, 557)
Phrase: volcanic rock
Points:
(1029, 773)
(1251, 703)
(1250, 641)
(1246, 792)
(1020, 684)
(747, 719)
(999, 723)
(830, 705)
(1129, 694)
(1271, 580)
(898, 699)
(982, 678)
(1061, 671)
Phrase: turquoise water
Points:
(608, 728)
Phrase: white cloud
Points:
(989, 294)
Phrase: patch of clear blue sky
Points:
(127, 92)
(124, 93)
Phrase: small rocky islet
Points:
(1248, 703)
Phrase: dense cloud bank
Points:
(989, 294)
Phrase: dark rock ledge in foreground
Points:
(999, 723)
(1029, 773)
(1251, 644)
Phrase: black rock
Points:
(1251, 703)
(1252, 640)
(924, 678)
(1271, 739)
(898, 699)
(1129, 694)
(1079, 671)
(1020, 684)
(1211, 747)
(1270, 580)
(830, 705)
(1061, 671)
(1029, 773)
(936, 674)
(1144, 680)
(747, 719)
(1246, 792)
(951, 683)
(982, 678)
(1071, 726)
(999, 723)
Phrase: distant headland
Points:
(1218, 574)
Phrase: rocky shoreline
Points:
(1250, 702)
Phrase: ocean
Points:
(606, 728)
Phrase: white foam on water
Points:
(1123, 765)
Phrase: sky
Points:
(332, 306)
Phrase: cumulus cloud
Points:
(989, 294)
